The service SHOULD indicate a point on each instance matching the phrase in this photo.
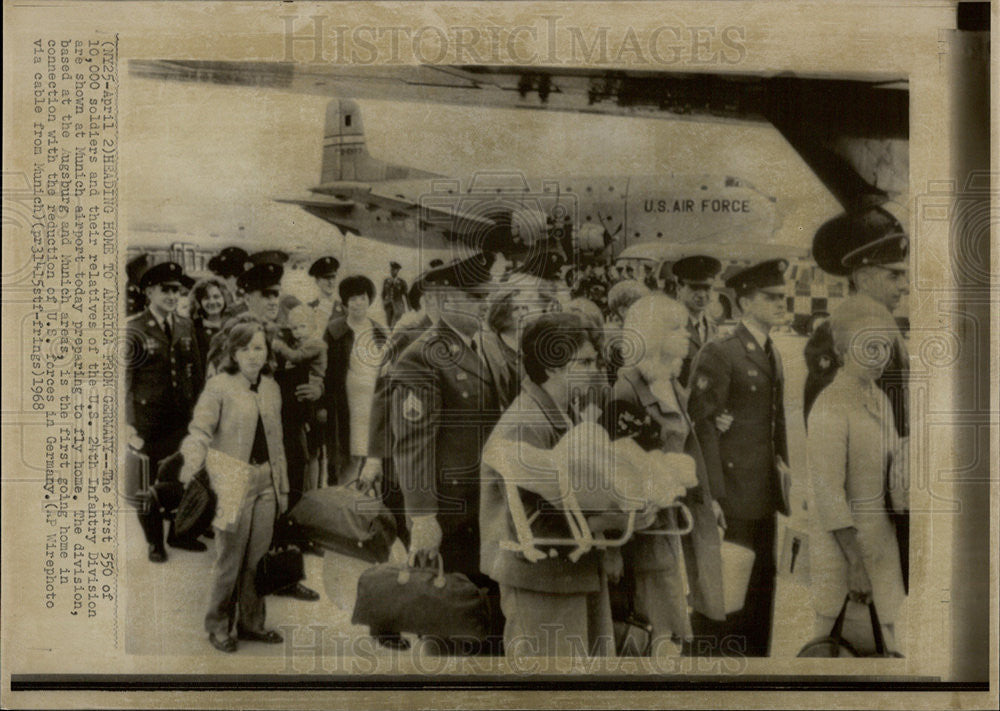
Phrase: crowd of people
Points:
(488, 407)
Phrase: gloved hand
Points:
(425, 536)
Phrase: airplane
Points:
(852, 132)
(513, 212)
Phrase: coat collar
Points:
(646, 396)
(459, 354)
(559, 420)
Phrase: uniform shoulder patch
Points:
(702, 382)
(413, 407)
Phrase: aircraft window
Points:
(637, 235)
(611, 188)
(590, 189)
(588, 218)
(347, 119)
(659, 234)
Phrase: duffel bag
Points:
(396, 597)
(349, 519)
(278, 570)
(197, 507)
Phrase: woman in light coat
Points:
(235, 433)
(655, 328)
(852, 447)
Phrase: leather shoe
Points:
(187, 544)
(265, 636)
(226, 644)
(299, 592)
(157, 554)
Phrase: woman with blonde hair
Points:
(655, 343)
(855, 463)
(235, 433)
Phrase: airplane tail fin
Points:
(345, 154)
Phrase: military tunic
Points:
(734, 374)
(443, 406)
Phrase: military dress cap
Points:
(466, 273)
(766, 275)
(229, 262)
(697, 269)
(395, 265)
(187, 282)
(324, 267)
(268, 256)
(434, 263)
(135, 267)
(889, 251)
(849, 232)
(162, 273)
(260, 277)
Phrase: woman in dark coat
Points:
(354, 351)
(209, 302)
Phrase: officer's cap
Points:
(769, 275)
(187, 282)
(853, 232)
(324, 267)
(268, 256)
(229, 262)
(467, 273)
(697, 269)
(435, 263)
(260, 277)
(889, 251)
(395, 265)
(162, 273)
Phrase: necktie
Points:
(166, 329)
(769, 351)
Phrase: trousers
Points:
(233, 600)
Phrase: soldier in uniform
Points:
(694, 277)
(443, 406)
(394, 291)
(163, 379)
(871, 249)
(326, 305)
(736, 406)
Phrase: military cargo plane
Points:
(852, 132)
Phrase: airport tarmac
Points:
(164, 604)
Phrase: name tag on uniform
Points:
(461, 376)
(752, 372)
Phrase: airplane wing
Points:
(852, 131)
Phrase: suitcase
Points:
(135, 478)
(396, 597)
(349, 519)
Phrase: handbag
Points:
(834, 644)
(277, 570)
(394, 597)
(197, 507)
(349, 519)
(135, 481)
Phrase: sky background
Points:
(200, 159)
